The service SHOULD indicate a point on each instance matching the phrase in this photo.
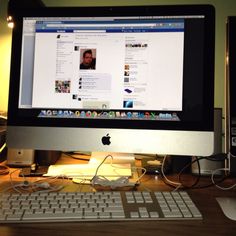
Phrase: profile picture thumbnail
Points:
(87, 59)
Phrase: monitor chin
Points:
(161, 142)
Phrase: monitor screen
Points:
(137, 79)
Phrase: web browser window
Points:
(134, 64)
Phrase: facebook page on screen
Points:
(107, 64)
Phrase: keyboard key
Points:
(134, 214)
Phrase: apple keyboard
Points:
(97, 206)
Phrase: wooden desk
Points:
(214, 222)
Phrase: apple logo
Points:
(106, 140)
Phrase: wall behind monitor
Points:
(223, 9)
(5, 53)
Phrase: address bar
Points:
(97, 25)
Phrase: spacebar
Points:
(51, 216)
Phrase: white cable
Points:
(3, 117)
(4, 170)
(36, 186)
(46, 186)
(13, 186)
(165, 177)
(122, 181)
(2, 147)
(232, 155)
(101, 164)
(213, 181)
(133, 168)
(141, 176)
(51, 189)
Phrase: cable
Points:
(11, 180)
(4, 170)
(181, 183)
(4, 145)
(122, 181)
(213, 181)
(171, 183)
(143, 171)
(3, 117)
(197, 159)
(217, 157)
(77, 158)
(2, 148)
(232, 155)
(38, 186)
(96, 172)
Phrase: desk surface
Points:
(214, 222)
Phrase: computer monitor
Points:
(132, 79)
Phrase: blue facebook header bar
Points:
(116, 26)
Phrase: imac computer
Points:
(130, 79)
